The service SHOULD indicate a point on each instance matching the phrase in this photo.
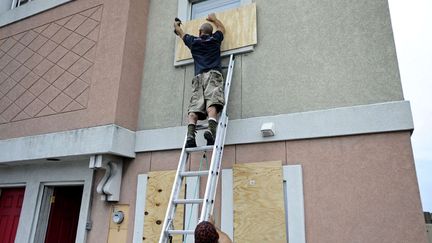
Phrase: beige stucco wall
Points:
(354, 186)
(61, 97)
(311, 55)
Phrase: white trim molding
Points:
(116, 140)
(29, 9)
(109, 139)
(363, 119)
(294, 199)
(140, 205)
(227, 203)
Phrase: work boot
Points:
(190, 140)
(209, 137)
(211, 134)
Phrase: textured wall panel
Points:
(47, 70)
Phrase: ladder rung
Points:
(199, 149)
(180, 232)
(188, 201)
(194, 173)
(201, 126)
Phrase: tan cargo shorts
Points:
(207, 90)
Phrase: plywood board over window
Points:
(158, 193)
(259, 214)
(240, 30)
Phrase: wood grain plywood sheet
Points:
(259, 213)
(240, 30)
(159, 186)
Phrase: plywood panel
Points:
(259, 202)
(118, 232)
(159, 186)
(240, 25)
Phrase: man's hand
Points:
(211, 17)
(177, 29)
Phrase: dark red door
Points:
(10, 209)
(64, 214)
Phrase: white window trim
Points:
(14, 3)
(184, 12)
(185, 7)
(294, 201)
(138, 232)
(27, 10)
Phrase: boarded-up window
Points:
(259, 212)
(240, 32)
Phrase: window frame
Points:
(205, 4)
(184, 10)
(15, 2)
(30, 8)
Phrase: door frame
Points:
(34, 177)
(43, 210)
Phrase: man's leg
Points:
(212, 125)
(190, 141)
(213, 94)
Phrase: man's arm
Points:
(219, 26)
(179, 31)
(223, 238)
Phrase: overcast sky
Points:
(412, 28)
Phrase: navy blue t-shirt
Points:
(205, 51)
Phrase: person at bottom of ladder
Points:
(207, 232)
(207, 85)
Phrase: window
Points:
(201, 9)
(193, 9)
(14, 10)
(17, 3)
(234, 23)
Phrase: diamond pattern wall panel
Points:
(47, 70)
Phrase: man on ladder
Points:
(207, 85)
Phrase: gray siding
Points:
(310, 55)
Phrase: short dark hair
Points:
(205, 232)
(206, 29)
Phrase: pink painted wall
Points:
(70, 67)
(357, 188)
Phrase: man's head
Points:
(205, 29)
(205, 232)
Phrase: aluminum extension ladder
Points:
(212, 173)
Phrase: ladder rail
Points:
(169, 215)
(218, 170)
(210, 192)
(212, 174)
